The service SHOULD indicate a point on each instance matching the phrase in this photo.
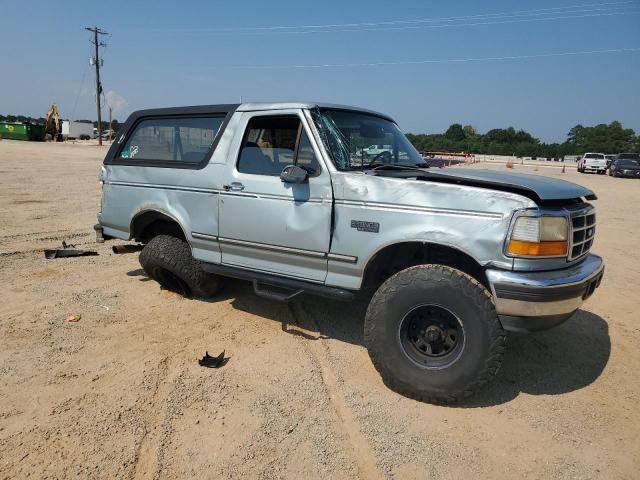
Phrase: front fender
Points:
(469, 219)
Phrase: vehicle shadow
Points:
(561, 360)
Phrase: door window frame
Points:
(303, 126)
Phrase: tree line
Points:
(611, 138)
(603, 138)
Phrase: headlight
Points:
(544, 236)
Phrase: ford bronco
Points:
(279, 194)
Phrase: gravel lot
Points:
(119, 394)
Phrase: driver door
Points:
(267, 224)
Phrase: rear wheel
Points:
(168, 261)
(433, 334)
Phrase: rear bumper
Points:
(529, 301)
(99, 233)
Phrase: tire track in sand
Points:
(364, 455)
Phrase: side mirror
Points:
(294, 174)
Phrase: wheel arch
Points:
(397, 256)
(149, 223)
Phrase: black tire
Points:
(428, 293)
(169, 262)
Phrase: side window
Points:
(272, 143)
(185, 141)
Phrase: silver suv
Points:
(280, 194)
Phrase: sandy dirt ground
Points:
(119, 394)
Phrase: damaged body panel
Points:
(539, 188)
(470, 219)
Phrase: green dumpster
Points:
(22, 131)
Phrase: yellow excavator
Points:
(53, 126)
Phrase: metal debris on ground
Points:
(68, 250)
(119, 249)
(73, 317)
(213, 362)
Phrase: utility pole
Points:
(110, 128)
(96, 31)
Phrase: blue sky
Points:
(168, 53)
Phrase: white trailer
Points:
(71, 130)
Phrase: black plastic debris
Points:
(68, 250)
(120, 249)
(213, 362)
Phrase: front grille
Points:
(583, 229)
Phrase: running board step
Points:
(293, 287)
(281, 296)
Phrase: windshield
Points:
(628, 163)
(629, 156)
(358, 141)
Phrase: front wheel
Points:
(433, 334)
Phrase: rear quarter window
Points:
(183, 141)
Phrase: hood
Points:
(544, 188)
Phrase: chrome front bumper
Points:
(529, 301)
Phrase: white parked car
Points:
(592, 162)
(380, 151)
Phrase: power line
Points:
(445, 60)
(97, 60)
(539, 11)
(414, 23)
(457, 25)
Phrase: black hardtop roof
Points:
(246, 107)
(188, 110)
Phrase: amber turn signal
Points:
(537, 249)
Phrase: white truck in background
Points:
(592, 162)
(76, 130)
(373, 151)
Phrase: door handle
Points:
(234, 186)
